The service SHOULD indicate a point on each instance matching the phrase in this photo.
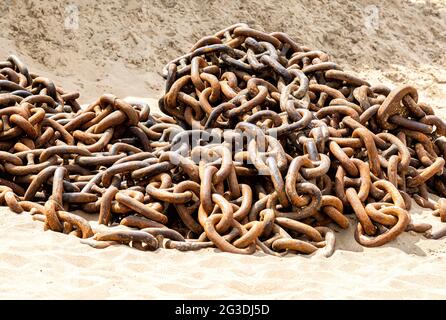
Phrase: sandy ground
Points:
(120, 47)
(48, 265)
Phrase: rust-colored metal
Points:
(264, 145)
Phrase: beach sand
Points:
(39, 264)
(108, 54)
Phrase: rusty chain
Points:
(265, 145)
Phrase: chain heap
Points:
(267, 145)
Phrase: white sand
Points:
(48, 265)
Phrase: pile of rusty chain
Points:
(266, 145)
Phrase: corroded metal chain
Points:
(265, 145)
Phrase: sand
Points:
(47, 265)
(120, 47)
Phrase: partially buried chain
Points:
(265, 144)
